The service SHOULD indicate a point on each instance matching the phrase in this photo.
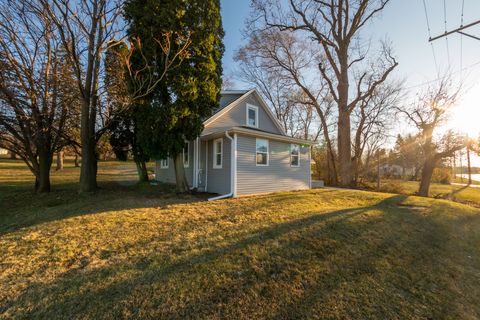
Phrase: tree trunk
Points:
(42, 178)
(180, 178)
(469, 166)
(88, 169)
(59, 160)
(13, 155)
(142, 171)
(77, 164)
(378, 172)
(427, 172)
(344, 148)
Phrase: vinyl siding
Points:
(168, 175)
(237, 117)
(277, 176)
(218, 180)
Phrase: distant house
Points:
(394, 170)
(3, 151)
(242, 150)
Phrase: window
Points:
(164, 163)
(294, 155)
(262, 152)
(252, 116)
(186, 154)
(217, 153)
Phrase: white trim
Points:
(291, 156)
(233, 91)
(234, 165)
(195, 163)
(188, 155)
(247, 109)
(232, 169)
(258, 133)
(268, 153)
(310, 167)
(227, 108)
(269, 112)
(215, 165)
(206, 166)
(162, 166)
(264, 105)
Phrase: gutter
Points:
(233, 169)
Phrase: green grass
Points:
(142, 252)
(464, 194)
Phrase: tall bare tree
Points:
(334, 28)
(372, 120)
(285, 61)
(34, 102)
(85, 27)
(427, 114)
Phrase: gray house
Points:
(242, 150)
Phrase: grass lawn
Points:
(141, 252)
(460, 193)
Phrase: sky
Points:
(403, 23)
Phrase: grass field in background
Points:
(139, 251)
(460, 193)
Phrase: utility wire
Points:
(440, 78)
(445, 24)
(461, 41)
(430, 36)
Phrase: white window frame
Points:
(186, 164)
(291, 155)
(268, 153)
(255, 108)
(163, 165)
(214, 158)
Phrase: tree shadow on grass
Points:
(24, 208)
(257, 275)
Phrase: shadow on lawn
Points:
(23, 208)
(328, 255)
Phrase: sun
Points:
(465, 117)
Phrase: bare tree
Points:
(287, 63)
(372, 121)
(334, 27)
(85, 27)
(33, 99)
(427, 114)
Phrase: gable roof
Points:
(232, 102)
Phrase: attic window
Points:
(252, 116)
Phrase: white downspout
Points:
(233, 164)
(206, 166)
(310, 167)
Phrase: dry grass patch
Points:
(141, 252)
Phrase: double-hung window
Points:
(261, 152)
(294, 155)
(186, 154)
(217, 153)
(252, 116)
(164, 163)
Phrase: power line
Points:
(440, 78)
(430, 35)
(445, 25)
(461, 41)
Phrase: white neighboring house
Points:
(242, 150)
(395, 170)
(3, 151)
